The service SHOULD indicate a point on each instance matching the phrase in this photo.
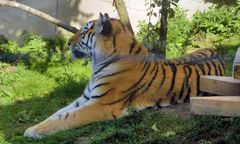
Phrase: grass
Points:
(28, 97)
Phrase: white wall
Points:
(14, 21)
(76, 13)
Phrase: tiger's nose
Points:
(69, 43)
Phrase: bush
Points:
(218, 23)
(222, 20)
(179, 29)
(37, 53)
(216, 28)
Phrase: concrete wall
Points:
(14, 21)
(74, 12)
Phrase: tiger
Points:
(126, 75)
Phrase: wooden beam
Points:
(216, 105)
(220, 85)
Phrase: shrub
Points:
(37, 53)
(218, 23)
(179, 29)
(216, 28)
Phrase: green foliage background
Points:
(219, 28)
(39, 78)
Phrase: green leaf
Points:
(154, 127)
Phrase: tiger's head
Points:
(102, 38)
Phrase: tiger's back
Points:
(144, 81)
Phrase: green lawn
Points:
(27, 97)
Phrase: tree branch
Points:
(39, 14)
(123, 14)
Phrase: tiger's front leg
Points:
(92, 111)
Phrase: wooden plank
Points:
(216, 105)
(220, 85)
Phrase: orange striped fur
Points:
(125, 74)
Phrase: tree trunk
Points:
(123, 14)
(39, 14)
(163, 29)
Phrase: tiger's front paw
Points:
(34, 132)
(44, 128)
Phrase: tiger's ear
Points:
(104, 26)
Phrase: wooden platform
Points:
(216, 105)
(228, 104)
(220, 85)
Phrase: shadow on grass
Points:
(16, 117)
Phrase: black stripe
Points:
(204, 54)
(103, 94)
(77, 104)
(86, 97)
(84, 35)
(220, 69)
(158, 103)
(66, 115)
(114, 41)
(155, 66)
(198, 56)
(144, 74)
(188, 73)
(132, 45)
(101, 84)
(138, 50)
(88, 88)
(187, 98)
(211, 64)
(107, 61)
(209, 68)
(164, 75)
(202, 68)
(88, 37)
(186, 81)
(114, 46)
(215, 68)
(145, 64)
(94, 53)
(105, 64)
(198, 82)
(182, 88)
(131, 95)
(91, 27)
(91, 39)
(173, 100)
(221, 60)
(112, 74)
(153, 78)
(59, 117)
(174, 70)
